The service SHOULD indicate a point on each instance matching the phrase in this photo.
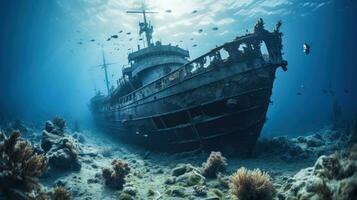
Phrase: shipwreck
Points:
(166, 101)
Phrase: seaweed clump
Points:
(20, 168)
(214, 164)
(251, 185)
(115, 178)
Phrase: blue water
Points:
(44, 71)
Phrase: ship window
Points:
(184, 72)
(224, 54)
(242, 47)
(194, 67)
(264, 51)
(174, 76)
(206, 62)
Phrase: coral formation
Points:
(251, 185)
(332, 177)
(124, 196)
(214, 164)
(60, 123)
(61, 151)
(20, 168)
(200, 190)
(56, 126)
(115, 178)
(60, 193)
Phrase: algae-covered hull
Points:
(211, 102)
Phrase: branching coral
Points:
(251, 185)
(19, 166)
(214, 164)
(115, 178)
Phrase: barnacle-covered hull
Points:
(210, 102)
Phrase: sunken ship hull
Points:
(209, 103)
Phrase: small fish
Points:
(120, 31)
(195, 45)
(346, 91)
(108, 39)
(306, 48)
(92, 40)
(130, 39)
(215, 28)
(181, 41)
(140, 39)
(302, 86)
(299, 93)
(168, 11)
(128, 33)
(114, 36)
(200, 30)
(80, 43)
(191, 39)
(194, 11)
(324, 91)
(78, 31)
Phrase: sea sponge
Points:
(61, 193)
(251, 185)
(20, 167)
(115, 178)
(214, 164)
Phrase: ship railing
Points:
(242, 48)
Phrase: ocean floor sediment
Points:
(94, 165)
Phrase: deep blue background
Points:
(40, 76)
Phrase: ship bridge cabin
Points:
(153, 62)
